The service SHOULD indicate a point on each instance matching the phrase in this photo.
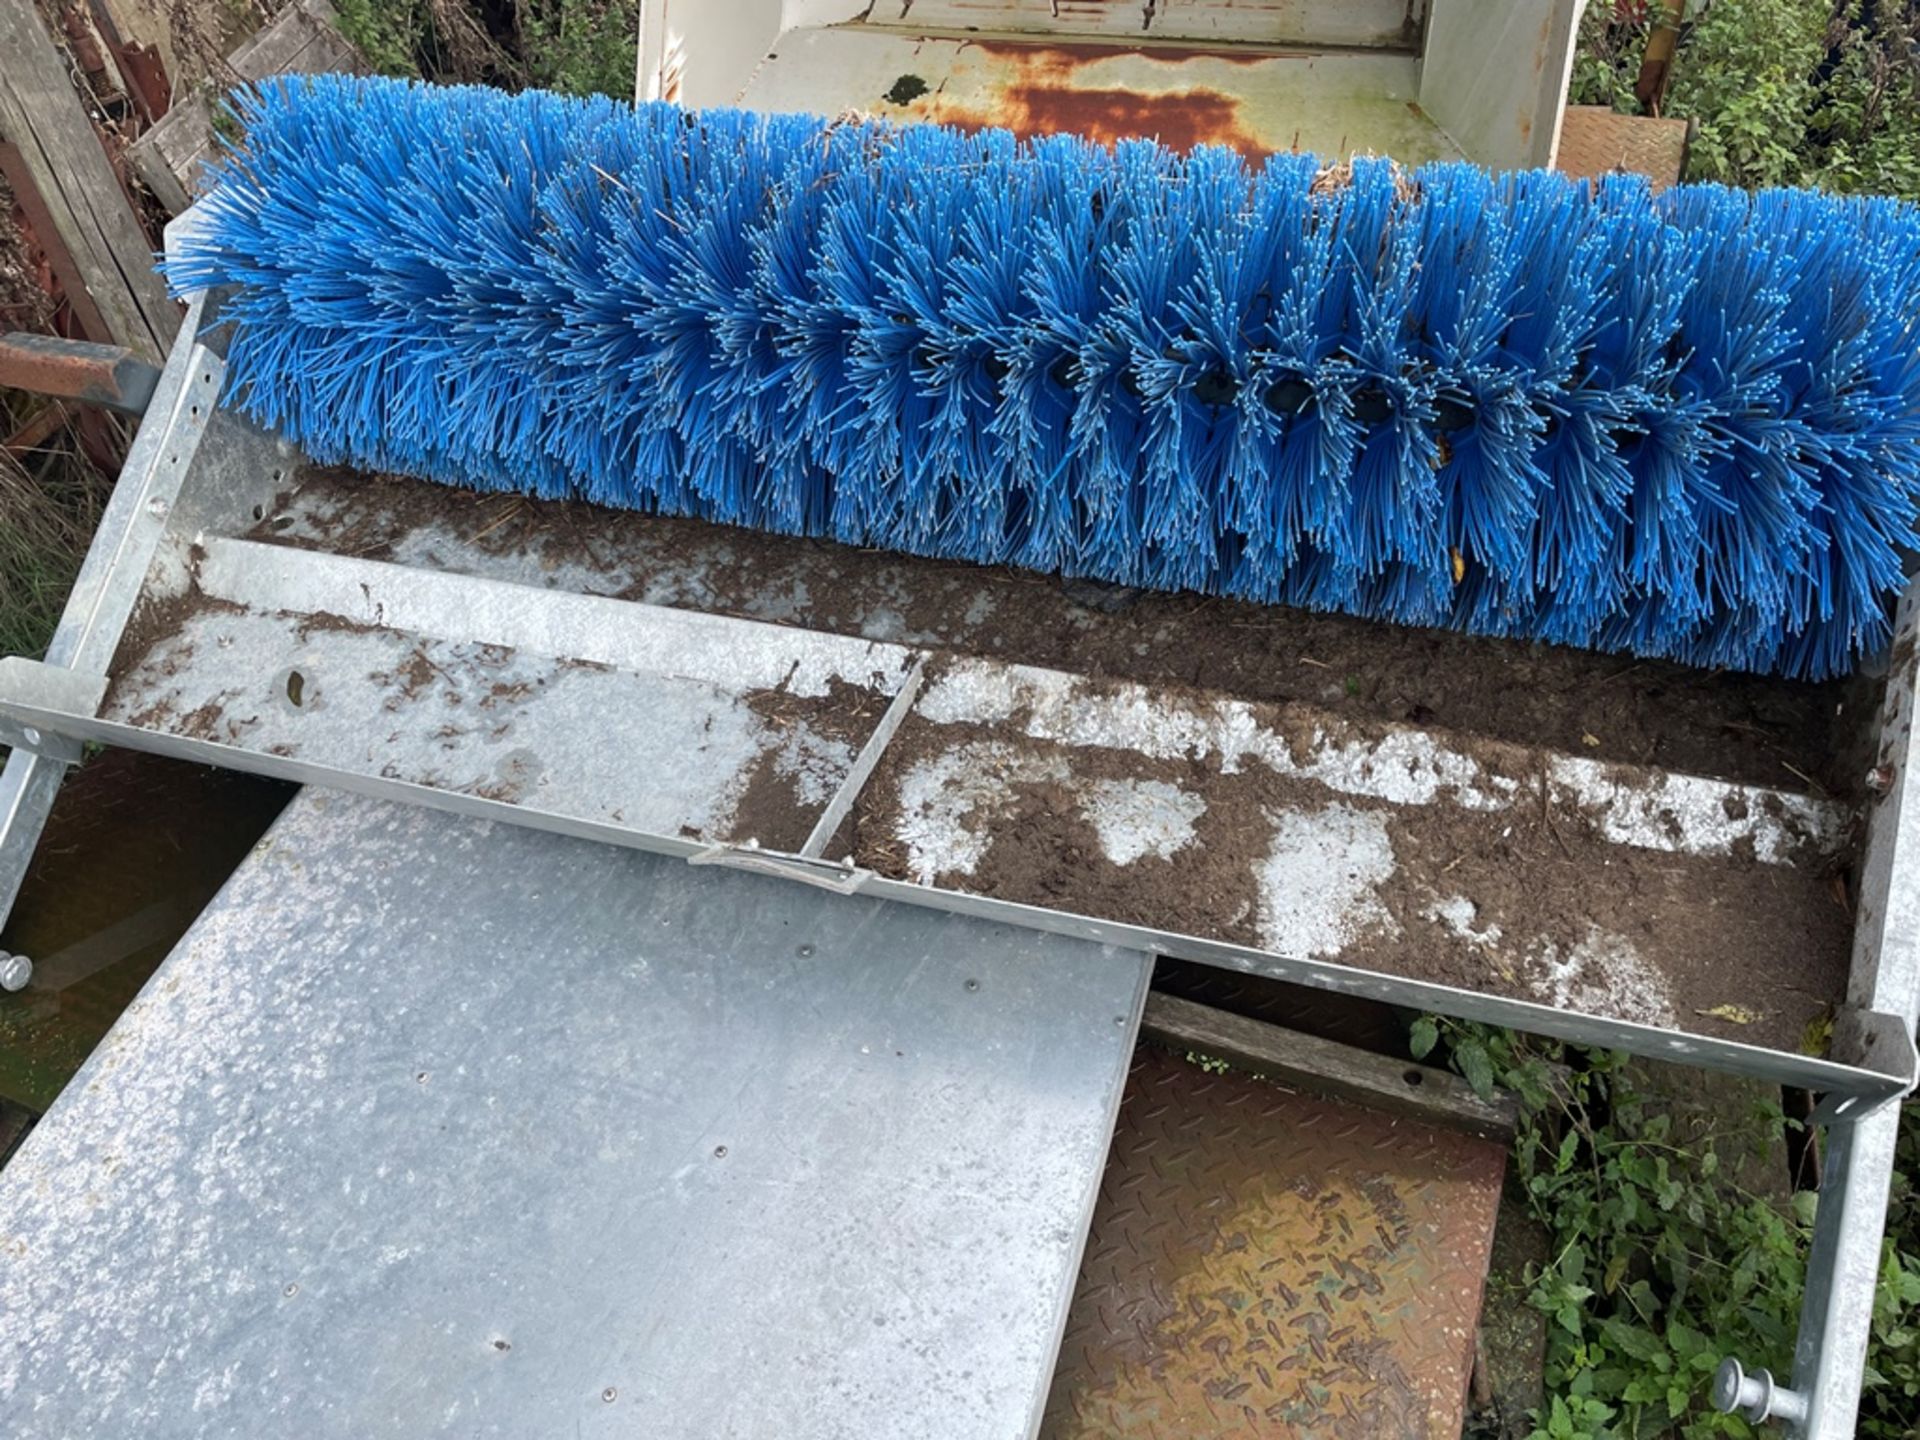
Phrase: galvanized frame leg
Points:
(27, 790)
(104, 594)
(1843, 1267)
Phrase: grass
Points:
(46, 520)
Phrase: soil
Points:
(1755, 729)
(771, 811)
(1771, 940)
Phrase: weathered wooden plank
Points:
(43, 120)
(172, 157)
(1396, 1086)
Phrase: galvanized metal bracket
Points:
(808, 870)
(104, 595)
(1871, 1040)
(50, 687)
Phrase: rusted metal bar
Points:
(108, 375)
(141, 68)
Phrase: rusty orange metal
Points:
(1270, 1264)
(1040, 93)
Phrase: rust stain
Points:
(1265, 1264)
(1066, 58)
(1040, 90)
(1180, 120)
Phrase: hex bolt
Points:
(15, 971)
(1756, 1394)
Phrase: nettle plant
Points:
(1660, 1261)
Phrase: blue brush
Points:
(1684, 425)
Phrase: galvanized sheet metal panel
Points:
(432, 1126)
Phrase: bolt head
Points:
(1727, 1381)
(15, 971)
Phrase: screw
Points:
(31, 735)
(608, 1394)
(292, 1290)
(1734, 1389)
(1880, 779)
(15, 971)
(719, 1152)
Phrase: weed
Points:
(1661, 1263)
(1786, 92)
(45, 525)
(580, 47)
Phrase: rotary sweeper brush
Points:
(1023, 558)
(1522, 405)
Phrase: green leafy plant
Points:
(389, 34)
(580, 47)
(1784, 92)
(1660, 1261)
(1747, 72)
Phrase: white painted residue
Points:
(1320, 883)
(1140, 817)
(1462, 918)
(1602, 975)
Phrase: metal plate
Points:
(1268, 1264)
(1595, 141)
(1333, 106)
(1388, 23)
(436, 1127)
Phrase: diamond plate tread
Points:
(1595, 141)
(1265, 1263)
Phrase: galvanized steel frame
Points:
(155, 514)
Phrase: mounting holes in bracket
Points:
(1414, 1077)
(259, 512)
(296, 688)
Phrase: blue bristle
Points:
(1684, 425)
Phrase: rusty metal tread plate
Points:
(1595, 140)
(1269, 1264)
(437, 1127)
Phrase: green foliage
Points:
(1747, 71)
(1867, 118)
(1785, 92)
(1661, 1263)
(390, 33)
(580, 47)
(1606, 57)
(576, 47)
(46, 520)
(1891, 1406)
